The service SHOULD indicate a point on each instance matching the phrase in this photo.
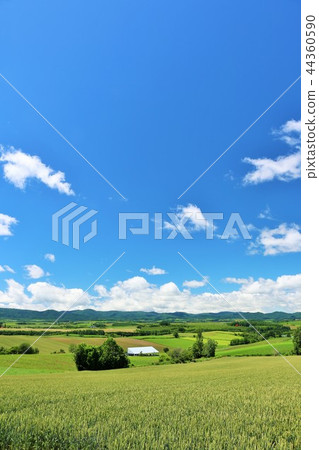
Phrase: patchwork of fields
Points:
(47, 361)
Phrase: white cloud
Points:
(19, 167)
(41, 296)
(50, 257)
(34, 271)
(290, 133)
(49, 296)
(6, 268)
(263, 295)
(190, 218)
(14, 296)
(194, 283)
(154, 271)
(283, 239)
(284, 168)
(265, 214)
(6, 223)
(137, 294)
(233, 280)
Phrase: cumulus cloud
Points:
(6, 223)
(137, 294)
(14, 296)
(41, 296)
(20, 167)
(283, 239)
(189, 218)
(153, 271)
(34, 271)
(50, 257)
(194, 283)
(49, 296)
(263, 295)
(289, 132)
(284, 167)
(233, 280)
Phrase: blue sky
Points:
(151, 93)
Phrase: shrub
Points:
(19, 350)
(179, 355)
(164, 359)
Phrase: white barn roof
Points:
(143, 350)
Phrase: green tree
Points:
(176, 335)
(210, 348)
(112, 356)
(297, 341)
(80, 357)
(198, 346)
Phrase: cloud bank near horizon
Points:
(137, 294)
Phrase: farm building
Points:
(133, 351)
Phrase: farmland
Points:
(55, 353)
(46, 403)
(162, 407)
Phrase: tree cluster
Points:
(198, 350)
(107, 356)
(19, 350)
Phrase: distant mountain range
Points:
(118, 316)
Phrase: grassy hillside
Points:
(243, 403)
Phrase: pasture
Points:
(222, 403)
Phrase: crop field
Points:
(50, 344)
(32, 364)
(283, 345)
(186, 340)
(242, 403)
(169, 341)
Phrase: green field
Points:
(283, 345)
(50, 344)
(46, 362)
(229, 403)
(34, 364)
(170, 341)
